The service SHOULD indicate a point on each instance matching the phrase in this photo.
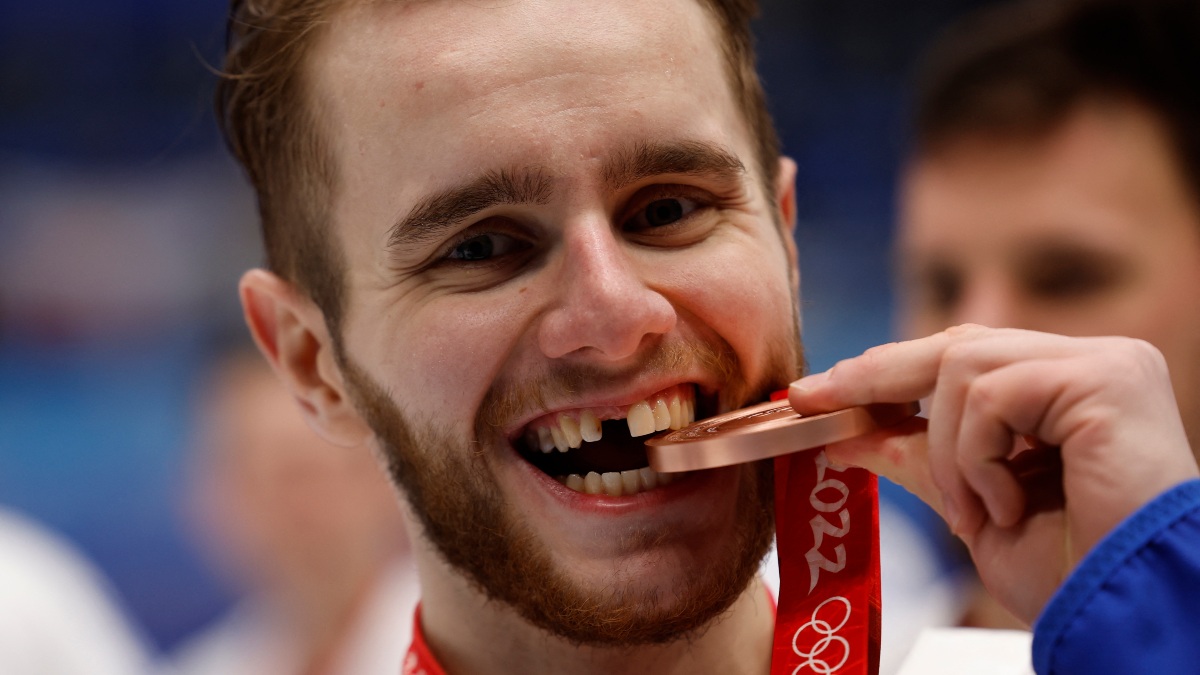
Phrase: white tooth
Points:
(640, 419)
(688, 408)
(560, 441)
(575, 482)
(589, 426)
(592, 483)
(570, 429)
(662, 415)
(631, 482)
(545, 440)
(612, 484)
(649, 478)
(676, 413)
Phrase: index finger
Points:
(891, 373)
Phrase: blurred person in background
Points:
(310, 532)
(1055, 184)
(58, 615)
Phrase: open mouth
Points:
(601, 451)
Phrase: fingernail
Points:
(806, 385)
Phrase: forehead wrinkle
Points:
(433, 215)
(687, 157)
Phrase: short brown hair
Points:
(1020, 69)
(269, 121)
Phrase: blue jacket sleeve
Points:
(1132, 604)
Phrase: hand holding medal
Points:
(827, 519)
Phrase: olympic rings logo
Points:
(814, 660)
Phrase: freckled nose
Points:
(605, 308)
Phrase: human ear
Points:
(785, 207)
(290, 331)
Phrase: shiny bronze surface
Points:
(765, 430)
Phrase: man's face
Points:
(1088, 231)
(554, 230)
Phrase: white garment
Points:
(249, 641)
(57, 613)
(978, 651)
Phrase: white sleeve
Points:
(57, 614)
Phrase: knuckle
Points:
(1137, 355)
(965, 330)
(955, 357)
(980, 396)
(877, 350)
(838, 372)
(860, 367)
(1149, 354)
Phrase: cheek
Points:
(1175, 331)
(1162, 307)
(443, 357)
(1171, 322)
(744, 296)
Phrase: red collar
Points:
(419, 660)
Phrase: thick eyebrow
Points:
(437, 213)
(687, 157)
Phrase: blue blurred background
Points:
(124, 227)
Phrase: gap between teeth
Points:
(617, 484)
(669, 411)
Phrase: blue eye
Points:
(484, 247)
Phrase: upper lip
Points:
(624, 396)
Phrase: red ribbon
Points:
(827, 522)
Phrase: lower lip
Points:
(683, 485)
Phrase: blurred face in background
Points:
(1087, 230)
(281, 507)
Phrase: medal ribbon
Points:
(827, 532)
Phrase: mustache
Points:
(506, 401)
